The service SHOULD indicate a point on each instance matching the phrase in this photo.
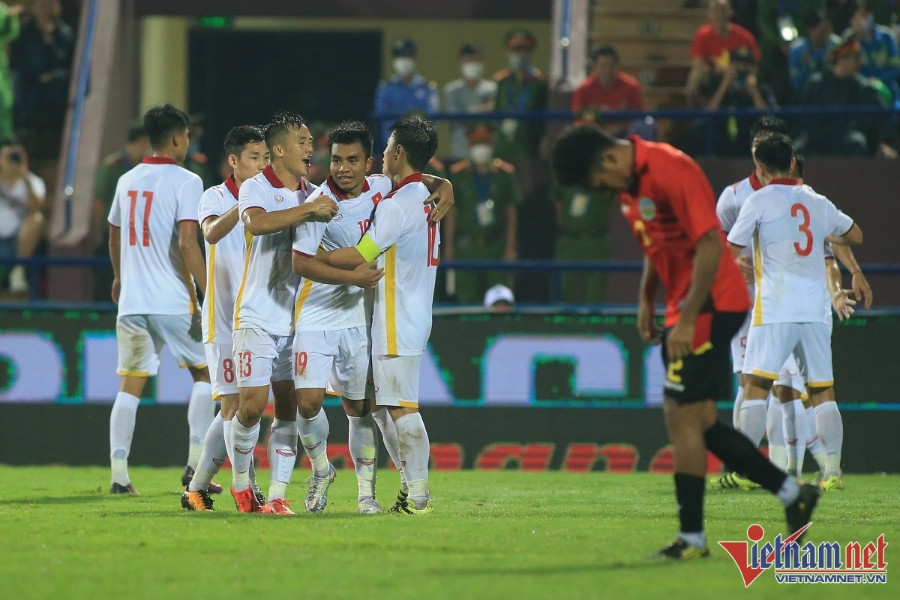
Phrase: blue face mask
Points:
(519, 62)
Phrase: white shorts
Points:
(339, 357)
(791, 376)
(396, 380)
(222, 374)
(739, 345)
(769, 346)
(141, 338)
(261, 357)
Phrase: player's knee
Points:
(356, 408)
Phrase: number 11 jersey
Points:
(151, 199)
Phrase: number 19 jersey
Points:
(787, 223)
(150, 200)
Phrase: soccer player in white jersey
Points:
(245, 151)
(405, 241)
(789, 224)
(270, 205)
(157, 264)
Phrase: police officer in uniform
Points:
(520, 87)
(406, 91)
(483, 224)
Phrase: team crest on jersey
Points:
(647, 208)
(279, 198)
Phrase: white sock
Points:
(789, 491)
(736, 409)
(213, 456)
(752, 418)
(363, 450)
(314, 435)
(775, 434)
(391, 443)
(812, 439)
(282, 456)
(200, 416)
(121, 431)
(244, 443)
(830, 428)
(229, 443)
(793, 423)
(415, 451)
(696, 538)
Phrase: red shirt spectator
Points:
(606, 88)
(708, 44)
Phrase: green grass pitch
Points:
(493, 535)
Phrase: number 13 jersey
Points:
(787, 223)
(151, 199)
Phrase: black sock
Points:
(689, 493)
(741, 456)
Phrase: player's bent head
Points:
(164, 121)
(578, 151)
(418, 137)
(774, 152)
(278, 129)
(238, 138)
(767, 125)
(350, 132)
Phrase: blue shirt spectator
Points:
(808, 54)
(406, 91)
(881, 58)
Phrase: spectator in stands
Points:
(711, 46)
(42, 56)
(22, 208)
(406, 91)
(881, 58)
(606, 88)
(808, 54)
(736, 86)
(842, 85)
(582, 226)
(499, 298)
(472, 93)
(111, 168)
(520, 87)
(9, 31)
(483, 224)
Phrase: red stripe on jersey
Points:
(232, 186)
(415, 177)
(304, 254)
(269, 174)
(158, 160)
(338, 192)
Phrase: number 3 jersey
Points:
(150, 200)
(321, 306)
(787, 222)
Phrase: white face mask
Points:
(481, 154)
(404, 66)
(472, 70)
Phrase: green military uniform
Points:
(582, 234)
(520, 138)
(9, 30)
(111, 168)
(198, 164)
(482, 201)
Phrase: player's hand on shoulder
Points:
(324, 208)
(367, 275)
(441, 201)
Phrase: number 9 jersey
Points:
(787, 223)
(151, 199)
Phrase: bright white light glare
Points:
(564, 42)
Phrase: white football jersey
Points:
(729, 207)
(787, 222)
(224, 264)
(265, 299)
(409, 244)
(321, 306)
(150, 200)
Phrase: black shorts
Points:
(706, 374)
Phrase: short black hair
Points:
(240, 136)
(766, 125)
(470, 50)
(162, 121)
(577, 151)
(775, 152)
(136, 131)
(280, 125)
(605, 51)
(418, 137)
(815, 18)
(799, 165)
(9, 142)
(349, 132)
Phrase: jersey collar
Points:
(232, 186)
(158, 160)
(338, 192)
(270, 175)
(755, 183)
(415, 177)
(785, 181)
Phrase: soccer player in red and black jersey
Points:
(670, 205)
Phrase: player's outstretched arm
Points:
(365, 275)
(215, 228)
(190, 252)
(859, 284)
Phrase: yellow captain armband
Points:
(368, 248)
